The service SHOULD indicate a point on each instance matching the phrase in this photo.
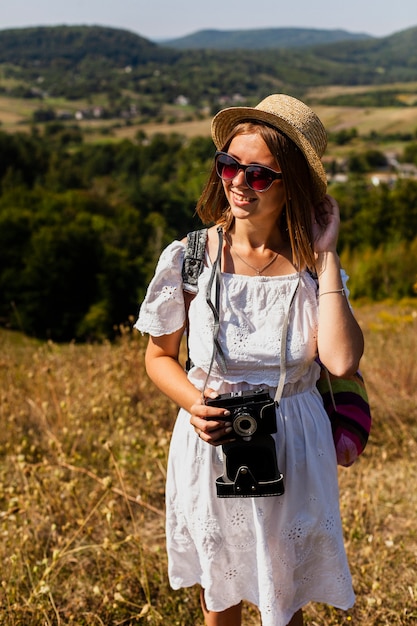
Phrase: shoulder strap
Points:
(194, 259)
(283, 367)
(191, 269)
(214, 284)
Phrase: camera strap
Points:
(214, 284)
(283, 360)
(213, 293)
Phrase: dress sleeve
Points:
(345, 279)
(163, 312)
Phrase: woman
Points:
(267, 190)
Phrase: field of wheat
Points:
(83, 449)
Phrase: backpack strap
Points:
(213, 289)
(194, 259)
(191, 269)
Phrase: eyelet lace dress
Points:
(278, 552)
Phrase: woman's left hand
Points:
(326, 224)
(211, 423)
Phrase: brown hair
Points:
(296, 217)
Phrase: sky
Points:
(167, 19)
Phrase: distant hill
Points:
(75, 62)
(46, 46)
(261, 39)
(395, 50)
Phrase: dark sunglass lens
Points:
(258, 178)
(226, 166)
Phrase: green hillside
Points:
(77, 61)
(48, 46)
(262, 38)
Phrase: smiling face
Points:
(245, 203)
(221, 202)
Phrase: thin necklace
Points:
(255, 269)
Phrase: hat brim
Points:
(224, 122)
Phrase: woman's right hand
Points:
(211, 423)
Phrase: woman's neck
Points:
(257, 253)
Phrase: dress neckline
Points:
(208, 264)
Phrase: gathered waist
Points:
(305, 384)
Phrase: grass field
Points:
(83, 451)
(16, 114)
(384, 121)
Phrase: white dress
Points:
(278, 552)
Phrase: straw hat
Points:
(290, 116)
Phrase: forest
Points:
(82, 225)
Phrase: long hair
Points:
(296, 217)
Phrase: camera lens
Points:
(245, 424)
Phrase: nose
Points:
(242, 179)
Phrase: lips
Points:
(241, 199)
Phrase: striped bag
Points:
(346, 403)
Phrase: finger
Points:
(210, 393)
(206, 424)
(209, 413)
(214, 429)
(216, 442)
(216, 436)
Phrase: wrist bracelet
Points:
(341, 291)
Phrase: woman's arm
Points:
(164, 369)
(340, 339)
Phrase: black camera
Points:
(250, 462)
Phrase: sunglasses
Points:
(257, 177)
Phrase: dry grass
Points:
(326, 91)
(382, 120)
(83, 451)
(16, 114)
